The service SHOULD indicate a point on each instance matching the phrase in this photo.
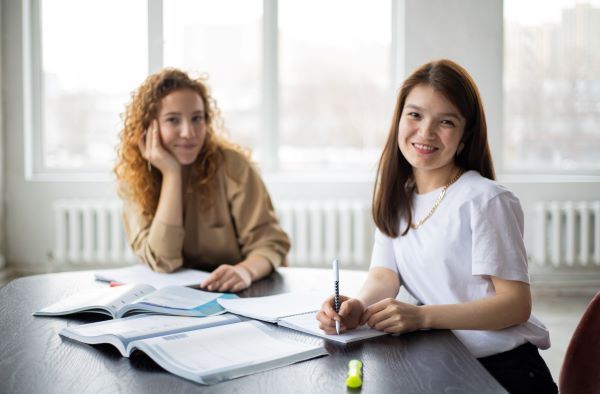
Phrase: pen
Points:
(336, 286)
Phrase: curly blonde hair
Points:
(135, 181)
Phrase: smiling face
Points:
(182, 121)
(429, 134)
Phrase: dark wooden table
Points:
(35, 359)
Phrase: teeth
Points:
(424, 147)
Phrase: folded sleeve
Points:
(252, 212)
(156, 244)
(497, 238)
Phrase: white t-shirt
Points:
(476, 232)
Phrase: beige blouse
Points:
(241, 222)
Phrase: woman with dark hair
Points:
(450, 234)
(191, 198)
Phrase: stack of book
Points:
(230, 336)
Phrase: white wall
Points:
(467, 31)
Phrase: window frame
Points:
(523, 174)
(35, 170)
(32, 99)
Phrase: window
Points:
(330, 95)
(206, 37)
(552, 115)
(334, 82)
(89, 64)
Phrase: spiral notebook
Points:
(307, 323)
(296, 311)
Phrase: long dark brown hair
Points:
(391, 198)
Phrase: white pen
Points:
(336, 297)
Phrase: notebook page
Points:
(272, 308)
(309, 324)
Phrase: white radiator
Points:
(91, 232)
(321, 231)
(567, 234)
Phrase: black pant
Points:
(521, 370)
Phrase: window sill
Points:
(548, 178)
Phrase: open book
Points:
(223, 347)
(296, 311)
(133, 299)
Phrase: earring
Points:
(149, 165)
(460, 148)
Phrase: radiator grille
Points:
(89, 232)
(323, 230)
(567, 233)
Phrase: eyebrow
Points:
(200, 112)
(448, 114)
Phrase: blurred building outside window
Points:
(552, 86)
(333, 81)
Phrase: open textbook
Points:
(122, 332)
(296, 311)
(223, 347)
(133, 299)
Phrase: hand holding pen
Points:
(351, 311)
(338, 311)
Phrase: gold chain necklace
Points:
(437, 201)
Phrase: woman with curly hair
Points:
(192, 199)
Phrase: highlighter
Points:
(354, 379)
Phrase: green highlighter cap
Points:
(354, 379)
